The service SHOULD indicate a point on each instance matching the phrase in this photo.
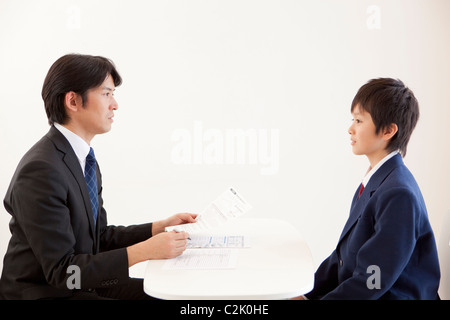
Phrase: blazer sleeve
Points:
(390, 247)
(325, 278)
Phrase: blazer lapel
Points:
(71, 161)
(355, 210)
(358, 205)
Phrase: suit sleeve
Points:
(114, 237)
(389, 248)
(39, 202)
(325, 278)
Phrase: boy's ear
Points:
(390, 131)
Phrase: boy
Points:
(387, 249)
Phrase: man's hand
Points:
(179, 218)
(164, 245)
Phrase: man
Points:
(58, 222)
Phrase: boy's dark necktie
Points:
(91, 180)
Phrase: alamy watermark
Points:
(74, 280)
(73, 21)
(373, 21)
(374, 280)
(241, 146)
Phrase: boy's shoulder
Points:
(401, 176)
(395, 179)
(399, 186)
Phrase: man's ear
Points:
(390, 131)
(72, 101)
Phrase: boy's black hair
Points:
(389, 101)
(77, 73)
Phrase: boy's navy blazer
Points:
(388, 228)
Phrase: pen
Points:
(178, 230)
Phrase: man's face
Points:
(96, 116)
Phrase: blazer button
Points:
(341, 262)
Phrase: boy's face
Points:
(363, 138)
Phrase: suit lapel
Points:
(358, 205)
(355, 211)
(71, 161)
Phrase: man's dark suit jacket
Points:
(52, 227)
(388, 227)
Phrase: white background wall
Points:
(202, 69)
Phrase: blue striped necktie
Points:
(91, 180)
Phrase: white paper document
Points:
(227, 206)
(206, 250)
(203, 259)
(218, 241)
